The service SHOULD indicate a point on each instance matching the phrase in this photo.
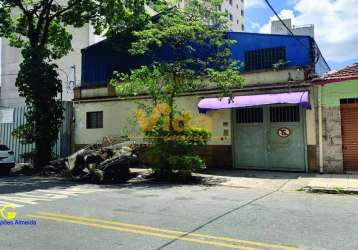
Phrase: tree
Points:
(38, 27)
(117, 20)
(199, 57)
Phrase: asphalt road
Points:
(151, 216)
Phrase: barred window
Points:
(249, 115)
(285, 114)
(94, 119)
(264, 58)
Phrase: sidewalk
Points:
(284, 181)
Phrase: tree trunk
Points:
(38, 82)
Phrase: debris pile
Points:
(98, 162)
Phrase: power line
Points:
(283, 23)
(279, 18)
(290, 31)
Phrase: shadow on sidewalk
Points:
(260, 174)
(17, 184)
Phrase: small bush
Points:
(173, 147)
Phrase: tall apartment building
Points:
(235, 11)
(277, 27)
(69, 67)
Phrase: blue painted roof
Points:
(101, 59)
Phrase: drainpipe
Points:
(320, 130)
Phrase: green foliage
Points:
(280, 64)
(44, 110)
(173, 151)
(39, 29)
(117, 18)
(199, 27)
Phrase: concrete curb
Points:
(337, 190)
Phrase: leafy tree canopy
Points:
(197, 55)
(38, 28)
(200, 56)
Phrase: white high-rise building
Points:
(235, 11)
(277, 27)
(69, 67)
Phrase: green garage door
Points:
(270, 137)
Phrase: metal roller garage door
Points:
(349, 116)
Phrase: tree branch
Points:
(47, 20)
(41, 17)
(60, 12)
(22, 7)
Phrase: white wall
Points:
(303, 30)
(11, 58)
(117, 113)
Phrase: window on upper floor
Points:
(242, 27)
(264, 58)
(231, 17)
(94, 119)
(242, 12)
(237, 21)
(230, 2)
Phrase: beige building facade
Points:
(118, 116)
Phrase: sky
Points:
(335, 23)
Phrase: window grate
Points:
(264, 58)
(94, 119)
(349, 100)
(249, 115)
(285, 114)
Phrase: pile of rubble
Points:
(98, 162)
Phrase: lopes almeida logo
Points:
(8, 216)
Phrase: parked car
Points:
(7, 159)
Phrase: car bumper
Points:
(8, 160)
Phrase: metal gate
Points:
(349, 116)
(16, 117)
(270, 138)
